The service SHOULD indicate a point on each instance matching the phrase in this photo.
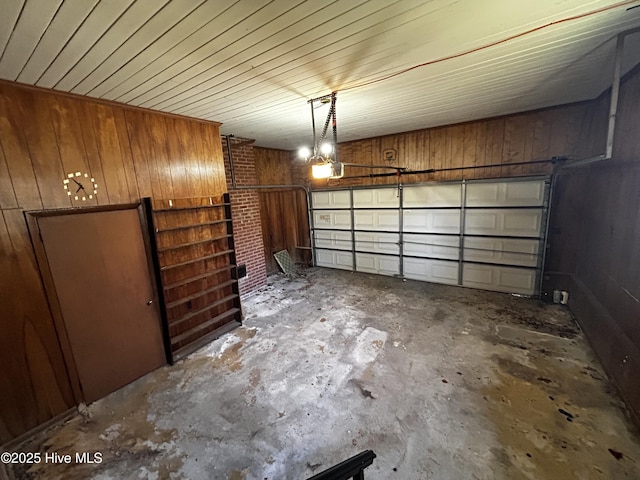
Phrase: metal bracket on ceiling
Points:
(322, 99)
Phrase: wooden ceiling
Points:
(254, 64)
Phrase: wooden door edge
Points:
(46, 278)
(145, 212)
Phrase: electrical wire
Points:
(492, 44)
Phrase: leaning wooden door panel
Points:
(100, 271)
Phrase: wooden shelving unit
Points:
(195, 262)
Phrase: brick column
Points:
(245, 212)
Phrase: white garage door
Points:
(481, 234)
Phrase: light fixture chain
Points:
(335, 126)
(326, 123)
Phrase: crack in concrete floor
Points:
(441, 382)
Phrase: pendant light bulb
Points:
(304, 152)
(326, 149)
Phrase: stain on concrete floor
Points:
(441, 382)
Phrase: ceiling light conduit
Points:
(613, 106)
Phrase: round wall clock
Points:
(80, 186)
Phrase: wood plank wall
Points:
(273, 167)
(131, 153)
(594, 249)
(505, 141)
(283, 212)
(285, 226)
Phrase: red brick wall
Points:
(245, 212)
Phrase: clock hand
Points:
(80, 186)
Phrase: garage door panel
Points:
(506, 194)
(499, 278)
(528, 221)
(380, 264)
(376, 220)
(432, 221)
(521, 252)
(333, 239)
(377, 242)
(334, 259)
(376, 198)
(432, 196)
(502, 238)
(331, 199)
(429, 270)
(504, 222)
(335, 219)
(435, 246)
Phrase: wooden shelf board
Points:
(192, 225)
(195, 207)
(195, 278)
(190, 244)
(203, 326)
(201, 293)
(190, 315)
(195, 260)
(204, 340)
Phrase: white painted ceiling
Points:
(252, 65)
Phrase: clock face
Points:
(80, 186)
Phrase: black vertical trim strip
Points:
(226, 198)
(463, 221)
(166, 339)
(353, 232)
(400, 229)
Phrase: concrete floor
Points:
(441, 382)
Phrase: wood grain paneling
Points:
(16, 152)
(7, 195)
(594, 244)
(504, 142)
(285, 225)
(272, 166)
(35, 386)
(131, 153)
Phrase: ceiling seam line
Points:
(271, 60)
(66, 43)
(192, 51)
(492, 44)
(96, 42)
(13, 30)
(266, 51)
(39, 40)
(209, 56)
(119, 46)
(141, 51)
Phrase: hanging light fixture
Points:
(323, 157)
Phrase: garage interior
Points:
(464, 293)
